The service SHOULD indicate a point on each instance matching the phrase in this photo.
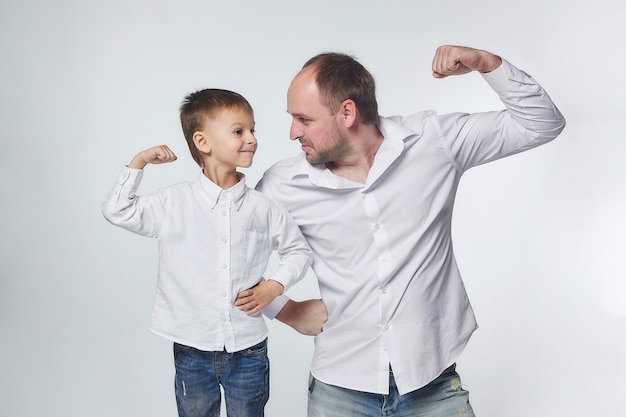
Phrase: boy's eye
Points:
(238, 131)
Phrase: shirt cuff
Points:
(502, 77)
(129, 173)
(272, 309)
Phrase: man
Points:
(374, 197)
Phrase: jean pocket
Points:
(260, 349)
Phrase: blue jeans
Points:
(443, 397)
(243, 375)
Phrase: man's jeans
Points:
(443, 397)
(243, 375)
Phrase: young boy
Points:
(215, 238)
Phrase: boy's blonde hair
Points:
(205, 105)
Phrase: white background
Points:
(539, 236)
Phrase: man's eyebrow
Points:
(300, 115)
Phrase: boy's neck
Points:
(223, 179)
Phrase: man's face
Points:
(312, 123)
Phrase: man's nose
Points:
(294, 132)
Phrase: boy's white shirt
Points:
(213, 243)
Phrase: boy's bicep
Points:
(125, 209)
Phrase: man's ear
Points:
(348, 113)
(201, 142)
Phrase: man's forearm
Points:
(307, 317)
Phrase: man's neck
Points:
(356, 166)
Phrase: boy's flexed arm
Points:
(156, 155)
(123, 208)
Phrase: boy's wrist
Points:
(137, 162)
(277, 287)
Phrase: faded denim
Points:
(443, 397)
(243, 375)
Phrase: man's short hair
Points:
(341, 77)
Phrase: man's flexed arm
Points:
(458, 60)
(529, 119)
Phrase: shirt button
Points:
(384, 290)
(376, 226)
(387, 327)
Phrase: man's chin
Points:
(311, 159)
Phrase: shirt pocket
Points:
(257, 248)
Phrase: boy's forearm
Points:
(137, 162)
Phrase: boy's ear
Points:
(200, 140)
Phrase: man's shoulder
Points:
(412, 120)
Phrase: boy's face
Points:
(231, 139)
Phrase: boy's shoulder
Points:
(183, 186)
(259, 198)
(265, 203)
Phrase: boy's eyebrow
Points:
(239, 123)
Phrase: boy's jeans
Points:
(443, 397)
(243, 375)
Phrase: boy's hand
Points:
(156, 155)
(256, 298)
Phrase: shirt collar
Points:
(394, 132)
(236, 194)
(394, 135)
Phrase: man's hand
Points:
(256, 298)
(457, 60)
(156, 155)
(307, 317)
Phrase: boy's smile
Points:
(229, 144)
